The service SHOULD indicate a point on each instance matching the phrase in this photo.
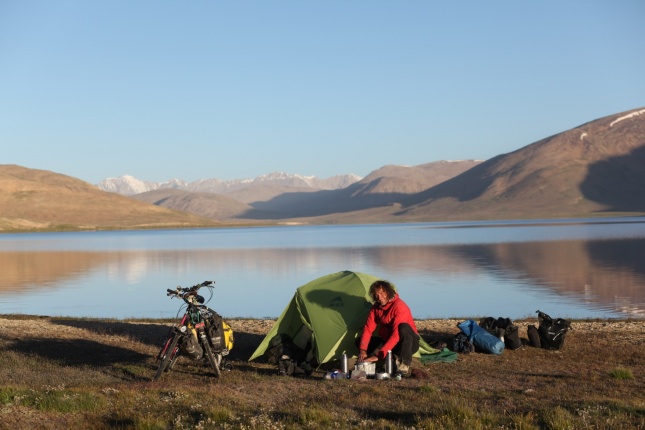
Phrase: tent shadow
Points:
(245, 344)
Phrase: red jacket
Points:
(388, 317)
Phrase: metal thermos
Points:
(388, 363)
(343, 364)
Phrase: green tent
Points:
(329, 312)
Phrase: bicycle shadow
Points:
(95, 346)
(146, 333)
(78, 352)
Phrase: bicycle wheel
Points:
(173, 360)
(214, 362)
(167, 354)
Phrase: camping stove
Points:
(368, 368)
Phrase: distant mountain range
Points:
(280, 195)
(129, 185)
(595, 169)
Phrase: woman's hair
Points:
(387, 286)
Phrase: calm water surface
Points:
(567, 268)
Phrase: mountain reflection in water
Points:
(608, 274)
(601, 277)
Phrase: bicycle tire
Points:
(166, 355)
(211, 358)
(173, 360)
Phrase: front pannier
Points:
(220, 334)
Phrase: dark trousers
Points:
(408, 344)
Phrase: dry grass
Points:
(95, 374)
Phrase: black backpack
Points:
(490, 325)
(552, 331)
(461, 343)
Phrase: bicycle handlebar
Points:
(189, 293)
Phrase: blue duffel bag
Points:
(483, 340)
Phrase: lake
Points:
(592, 268)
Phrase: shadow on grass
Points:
(403, 417)
(432, 338)
(149, 334)
(87, 352)
(78, 352)
(245, 345)
(155, 334)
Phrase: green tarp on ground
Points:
(443, 356)
(329, 313)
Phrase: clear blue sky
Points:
(236, 89)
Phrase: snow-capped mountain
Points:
(129, 185)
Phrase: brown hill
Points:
(40, 199)
(598, 167)
(208, 205)
(263, 192)
(412, 179)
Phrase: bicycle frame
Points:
(192, 330)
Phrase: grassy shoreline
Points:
(58, 372)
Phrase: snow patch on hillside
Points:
(631, 115)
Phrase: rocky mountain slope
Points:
(597, 167)
(209, 205)
(40, 199)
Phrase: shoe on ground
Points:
(403, 369)
(398, 362)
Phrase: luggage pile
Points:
(493, 335)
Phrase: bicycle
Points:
(200, 334)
